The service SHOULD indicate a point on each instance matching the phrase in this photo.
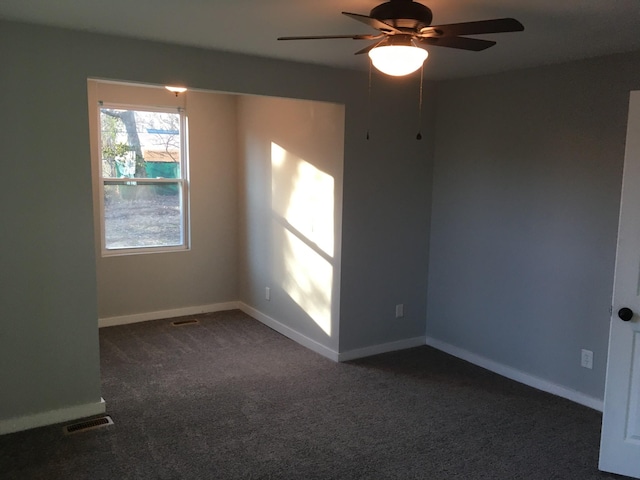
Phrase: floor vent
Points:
(87, 425)
(189, 321)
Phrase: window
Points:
(143, 179)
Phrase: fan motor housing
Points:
(403, 14)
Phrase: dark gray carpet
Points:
(231, 399)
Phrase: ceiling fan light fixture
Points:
(398, 60)
(405, 25)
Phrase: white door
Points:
(620, 442)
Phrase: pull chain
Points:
(419, 135)
(369, 101)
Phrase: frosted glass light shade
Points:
(398, 60)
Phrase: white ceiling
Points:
(555, 30)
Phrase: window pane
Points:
(139, 144)
(142, 214)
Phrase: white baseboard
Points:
(518, 375)
(289, 332)
(51, 417)
(496, 367)
(162, 314)
(381, 348)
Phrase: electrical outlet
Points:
(267, 293)
(586, 359)
(400, 310)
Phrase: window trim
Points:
(183, 181)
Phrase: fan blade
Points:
(497, 25)
(372, 22)
(368, 49)
(322, 37)
(462, 43)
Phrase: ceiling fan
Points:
(405, 25)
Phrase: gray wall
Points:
(526, 194)
(48, 329)
(387, 194)
(49, 355)
(291, 168)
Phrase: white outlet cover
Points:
(586, 359)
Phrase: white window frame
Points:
(183, 181)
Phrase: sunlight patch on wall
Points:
(304, 196)
(308, 280)
(303, 206)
